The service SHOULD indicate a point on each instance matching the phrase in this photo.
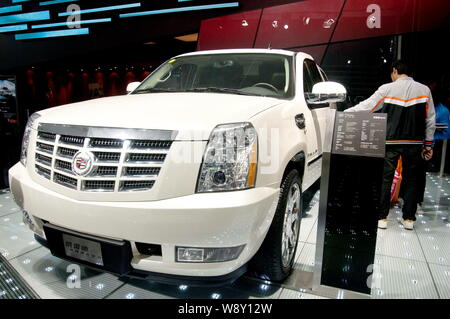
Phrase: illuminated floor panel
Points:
(12, 286)
(15, 240)
(411, 264)
(94, 286)
(441, 275)
(293, 294)
(400, 243)
(39, 267)
(305, 262)
(396, 278)
(436, 247)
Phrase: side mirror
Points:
(132, 86)
(326, 92)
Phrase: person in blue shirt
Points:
(442, 117)
(441, 134)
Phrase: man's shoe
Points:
(419, 210)
(382, 223)
(408, 224)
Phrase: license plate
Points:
(83, 249)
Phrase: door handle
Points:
(300, 121)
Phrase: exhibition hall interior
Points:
(199, 149)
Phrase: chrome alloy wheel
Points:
(290, 225)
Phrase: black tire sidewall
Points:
(268, 259)
(291, 178)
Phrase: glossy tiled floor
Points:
(409, 264)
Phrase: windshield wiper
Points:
(218, 90)
(150, 90)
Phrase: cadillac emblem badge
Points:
(82, 163)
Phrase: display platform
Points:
(408, 264)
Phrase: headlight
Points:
(26, 138)
(230, 159)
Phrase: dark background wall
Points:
(111, 36)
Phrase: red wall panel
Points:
(232, 31)
(298, 24)
(312, 22)
(400, 16)
(430, 14)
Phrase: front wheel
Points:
(276, 256)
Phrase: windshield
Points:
(238, 73)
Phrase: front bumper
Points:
(214, 220)
(194, 281)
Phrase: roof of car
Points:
(225, 51)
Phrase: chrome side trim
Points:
(108, 132)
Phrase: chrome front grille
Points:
(64, 166)
(42, 159)
(46, 136)
(43, 171)
(106, 143)
(119, 165)
(66, 152)
(105, 186)
(65, 180)
(140, 144)
(127, 186)
(142, 157)
(141, 171)
(73, 140)
(105, 171)
(107, 157)
(46, 148)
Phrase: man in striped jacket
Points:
(410, 129)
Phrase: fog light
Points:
(190, 254)
(207, 255)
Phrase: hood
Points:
(193, 115)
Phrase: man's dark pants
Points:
(411, 174)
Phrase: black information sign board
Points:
(359, 134)
(352, 175)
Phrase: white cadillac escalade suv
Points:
(195, 175)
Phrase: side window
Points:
(307, 81)
(312, 74)
(322, 72)
(313, 77)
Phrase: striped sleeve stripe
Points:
(376, 105)
(404, 142)
(426, 143)
(402, 102)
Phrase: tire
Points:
(270, 263)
